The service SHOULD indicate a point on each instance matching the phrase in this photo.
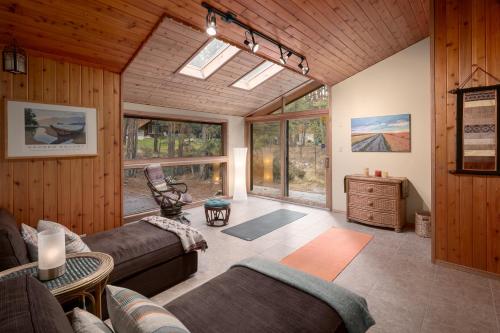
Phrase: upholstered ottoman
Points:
(217, 212)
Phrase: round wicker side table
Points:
(217, 212)
(86, 276)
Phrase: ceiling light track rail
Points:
(250, 34)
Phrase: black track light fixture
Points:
(211, 27)
(250, 35)
(304, 67)
(250, 41)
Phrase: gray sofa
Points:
(147, 259)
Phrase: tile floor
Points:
(404, 290)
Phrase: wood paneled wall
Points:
(466, 33)
(83, 194)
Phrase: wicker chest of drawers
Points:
(377, 201)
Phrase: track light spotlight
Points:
(252, 45)
(284, 56)
(211, 24)
(304, 67)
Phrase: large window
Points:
(152, 138)
(190, 152)
(203, 181)
(315, 100)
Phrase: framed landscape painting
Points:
(47, 130)
(381, 134)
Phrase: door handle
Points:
(327, 162)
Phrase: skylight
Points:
(258, 75)
(209, 59)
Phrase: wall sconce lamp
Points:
(14, 59)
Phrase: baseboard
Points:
(286, 201)
(472, 270)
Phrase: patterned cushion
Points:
(26, 305)
(74, 243)
(217, 203)
(30, 237)
(85, 322)
(131, 312)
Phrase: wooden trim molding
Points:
(132, 164)
(288, 97)
(174, 117)
(290, 115)
(486, 274)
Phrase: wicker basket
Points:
(423, 224)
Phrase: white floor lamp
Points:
(240, 175)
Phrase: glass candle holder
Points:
(51, 254)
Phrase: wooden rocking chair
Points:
(168, 194)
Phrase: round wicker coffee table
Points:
(86, 276)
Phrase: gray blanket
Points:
(191, 239)
(351, 307)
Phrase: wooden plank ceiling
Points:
(151, 77)
(339, 38)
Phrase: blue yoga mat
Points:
(264, 224)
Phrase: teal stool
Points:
(217, 212)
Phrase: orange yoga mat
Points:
(328, 254)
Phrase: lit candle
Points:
(385, 174)
(51, 254)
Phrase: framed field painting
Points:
(478, 117)
(381, 134)
(36, 130)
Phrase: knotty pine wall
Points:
(83, 194)
(466, 208)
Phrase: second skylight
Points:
(258, 75)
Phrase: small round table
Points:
(217, 212)
(86, 276)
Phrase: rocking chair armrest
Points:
(179, 184)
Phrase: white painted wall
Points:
(235, 128)
(397, 85)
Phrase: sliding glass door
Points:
(289, 160)
(306, 160)
(266, 159)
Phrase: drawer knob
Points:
(370, 204)
(370, 189)
(370, 217)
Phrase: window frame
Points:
(222, 159)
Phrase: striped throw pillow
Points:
(30, 237)
(74, 244)
(130, 312)
(86, 322)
